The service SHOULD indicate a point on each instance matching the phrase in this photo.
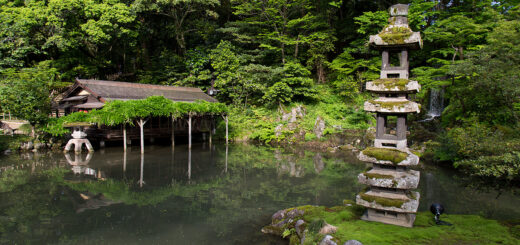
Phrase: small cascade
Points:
(436, 102)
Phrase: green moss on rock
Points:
(389, 105)
(385, 154)
(396, 34)
(378, 176)
(390, 83)
(387, 202)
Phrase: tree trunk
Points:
(227, 130)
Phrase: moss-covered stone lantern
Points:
(389, 198)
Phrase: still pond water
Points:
(206, 197)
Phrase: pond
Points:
(212, 195)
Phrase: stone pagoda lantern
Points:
(389, 198)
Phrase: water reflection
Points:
(216, 194)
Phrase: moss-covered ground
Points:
(466, 229)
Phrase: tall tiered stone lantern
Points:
(389, 198)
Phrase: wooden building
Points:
(86, 95)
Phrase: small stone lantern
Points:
(79, 137)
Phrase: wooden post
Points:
(141, 123)
(189, 131)
(124, 162)
(124, 137)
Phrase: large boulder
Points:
(319, 127)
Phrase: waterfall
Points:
(436, 104)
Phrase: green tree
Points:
(26, 93)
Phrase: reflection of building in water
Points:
(80, 165)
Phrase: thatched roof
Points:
(113, 90)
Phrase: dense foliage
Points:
(262, 56)
(119, 112)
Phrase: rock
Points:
(328, 241)
(295, 213)
(292, 126)
(299, 228)
(328, 229)
(39, 146)
(7, 152)
(319, 127)
(295, 114)
(347, 147)
(279, 215)
(352, 242)
(278, 130)
(29, 145)
(272, 230)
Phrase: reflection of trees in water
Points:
(461, 194)
(253, 187)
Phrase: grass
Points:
(385, 154)
(466, 229)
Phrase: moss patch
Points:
(387, 202)
(396, 34)
(390, 83)
(466, 229)
(385, 154)
(378, 176)
(389, 105)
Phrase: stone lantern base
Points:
(78, 144)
